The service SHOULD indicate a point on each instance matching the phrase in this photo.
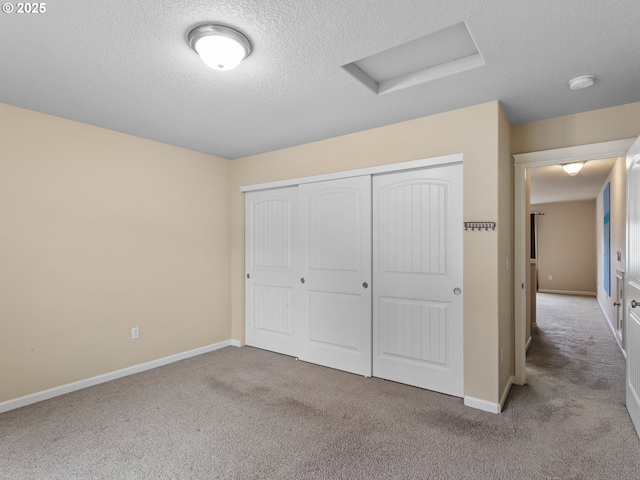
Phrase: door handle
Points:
(302, 280)
(365, 285)
(634, 304)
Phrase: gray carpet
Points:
(243, 413)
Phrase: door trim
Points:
(522, 161)
(387, 168)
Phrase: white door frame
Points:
(593, 151)
(439, 161)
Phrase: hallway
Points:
(576, 379)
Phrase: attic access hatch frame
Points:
(446, 52)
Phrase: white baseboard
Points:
(490, 407)
(526, 347)
(604, 312)
(567, 292)
(235, 343)
(612, 328)
(89, 382)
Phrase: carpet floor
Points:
(243, 413)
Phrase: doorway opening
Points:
(577, 240)
(523, 164)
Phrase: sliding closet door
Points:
(271, 263)
(417, 278)
(335, 249)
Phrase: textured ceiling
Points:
(125, 65)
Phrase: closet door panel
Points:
(335, 249)
(417, 278)
(271, 263)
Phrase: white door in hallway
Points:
(417, 278)
(271, 264)
(335, 251)
(632, 284)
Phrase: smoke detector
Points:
(581, 82)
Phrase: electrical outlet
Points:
(135, 333)
(501, 354)
(550, 277)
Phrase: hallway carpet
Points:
(243, 413)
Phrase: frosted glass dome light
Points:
(573, 168)
(220, 47)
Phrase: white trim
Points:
(592, 151)
(235, 343)
(505, 392)
(387, 168)
(522, 161)
(526, 348)
(567, 292)
(429, 74)
(520, 270)
(106, 377)
(490, 407)
(611, 327)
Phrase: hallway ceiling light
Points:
(573, 168)
(581, 82)
(220, 47)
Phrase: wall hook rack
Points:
(479, 226)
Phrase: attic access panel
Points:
(439, 54)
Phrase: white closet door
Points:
(271, 263)
(335, 249)
(417, 267)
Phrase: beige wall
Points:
(101, 232)
(472, 131)
(603, 125)
(506, 327)
(567, 246)
(617, 195)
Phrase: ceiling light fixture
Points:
(573, 168)
(581, 82)
(220, 47)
